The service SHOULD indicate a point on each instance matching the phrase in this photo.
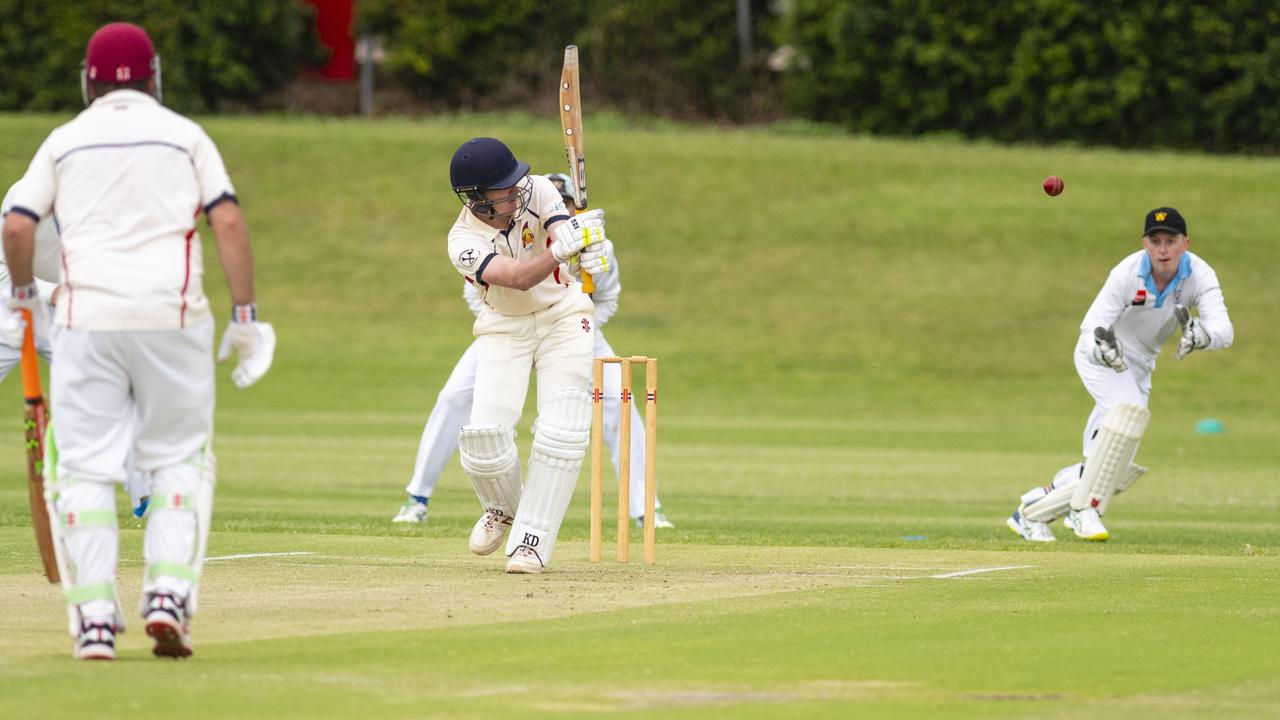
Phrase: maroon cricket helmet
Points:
(120, 53)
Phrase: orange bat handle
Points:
(30, 365)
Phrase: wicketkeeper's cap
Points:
(485, 163)
(1165, 218)
(119, 53)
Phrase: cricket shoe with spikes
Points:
(96, 641)
(166, 620)
(524, 561)
(1086, 524)
(412, 511)
(487, 535)
(1030, 530)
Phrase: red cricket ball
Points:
(1053, 185)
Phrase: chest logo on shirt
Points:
(1140, 297)
(526, 237)
(468, 257)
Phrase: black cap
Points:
(1165, 218)
(485, 163)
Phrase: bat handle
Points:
(588, 284)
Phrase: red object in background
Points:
(333, 22)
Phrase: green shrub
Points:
(211, 52)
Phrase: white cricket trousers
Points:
(556, 341)
(1109, 387)
(149, 392)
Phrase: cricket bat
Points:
(36, 420)
(571, 121)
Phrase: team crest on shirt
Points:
(468, 257)
(1140, 297)
(526, 237)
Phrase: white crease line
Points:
(255, 555)
(975, 571)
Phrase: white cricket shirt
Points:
(126, 181)
(472, 244)
(1144, 319)
(47, 261)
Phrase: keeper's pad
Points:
(490, 459)
(1110, 455)
(1131, 475)
(177, 535)
(561, 436)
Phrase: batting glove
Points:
(254, 343)
(1107, 351)
(1194, 336)
(597, 259)
(576, 233)
(24, 297)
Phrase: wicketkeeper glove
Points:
(576, 233)
(1107, 351)
(1194, 336)
(254, 343)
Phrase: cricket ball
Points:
(1053, 185)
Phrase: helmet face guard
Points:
(485, 207)
(155, 73)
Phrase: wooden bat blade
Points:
(35, 429)
(571, 123)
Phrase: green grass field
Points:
(866, 359)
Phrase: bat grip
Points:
(588, 284)
(29, 363)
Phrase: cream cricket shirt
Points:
(47, 261)
(126, 181)
(1144, 319)
(472, 244)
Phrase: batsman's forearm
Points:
(19, 247)
(235, 252)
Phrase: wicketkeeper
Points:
(1146, 298)
(453, 405)
(127, 180)
(510, 240)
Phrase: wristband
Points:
(244, 313)
(25, 292)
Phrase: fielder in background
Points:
(1146, 298)
(453, 405)
(126, 180)
(510, 240)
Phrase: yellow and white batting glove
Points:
(576, 233)
(1194, 336)
(597, 258)
(254, 343)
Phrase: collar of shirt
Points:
(1144, 272)
(123, 97)
(473, 223)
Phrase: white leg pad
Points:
(89, 538)
(490, 459)
(1049, 504)
(561, 436)
(177, 534)
(1109, 457)
(1131, 475)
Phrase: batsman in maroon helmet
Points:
(126, 181)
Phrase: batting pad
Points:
(490, 459)
(87, 531)
(561, 436)
(177, 532)
(1110, 456)
(1049, 504)
(1131, 475)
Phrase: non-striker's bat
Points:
(36, 419)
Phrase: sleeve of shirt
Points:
(211, 173)
(471, 294)
(33, 194)
(469, 254)
(1110, 303)
(1213, 310)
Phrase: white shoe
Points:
(1031, 530)
(167, 624)
(411, 511)
(659, 521)
(487, 535)
(524, 561)
(1086, 524)
(96, 641)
